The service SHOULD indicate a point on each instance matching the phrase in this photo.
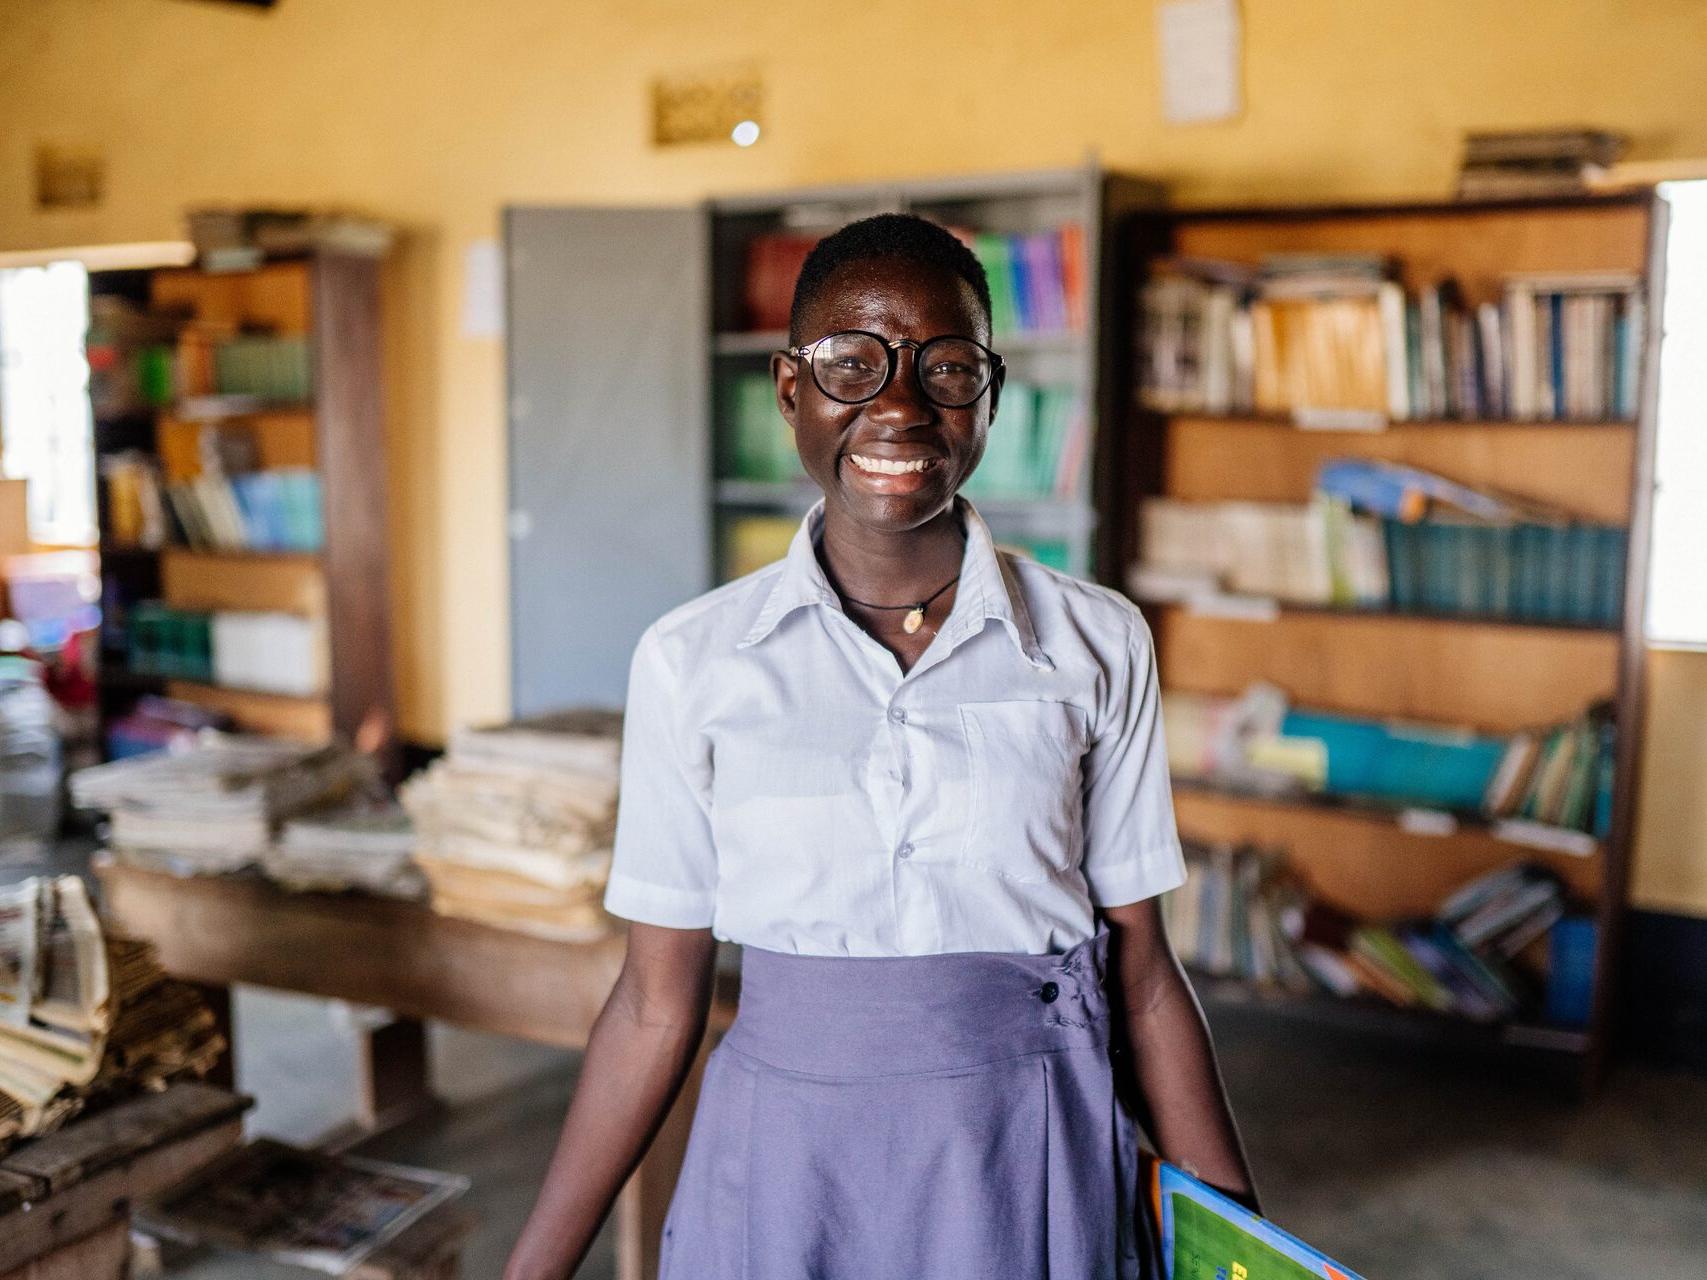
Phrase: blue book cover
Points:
(1609, 575)
(1556, 352)
(1025, 313)
(1203, 1235)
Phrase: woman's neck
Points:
(883, 567)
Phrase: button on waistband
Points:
(1048, 993)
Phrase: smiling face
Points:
(897, 460)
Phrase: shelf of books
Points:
(1049, 242)
(235, 411)
(1387, 510)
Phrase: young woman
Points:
(923, 782)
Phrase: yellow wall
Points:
(433, 113)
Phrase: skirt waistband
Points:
(903, 1015)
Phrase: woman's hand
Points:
(1173, 1058)
(640, 1050)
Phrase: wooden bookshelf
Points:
(1498, 676)
(1090, 361)
(331, 299)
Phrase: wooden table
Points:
(220, 930)
(65, 1198)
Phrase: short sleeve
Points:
(1132, 847)
(664, 862)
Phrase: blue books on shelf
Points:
(1408, 764)
(1203, 1235)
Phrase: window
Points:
(45, 425)
(1677, 583)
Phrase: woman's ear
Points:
(786, 374)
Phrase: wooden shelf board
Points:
(1361, 860)
(306, 719)
(294, 699)
(1368, 1015)
(1283, 607)
(1394, 665)
(307, 559)
(1582, 468)
(213, 581)
(1287, 422)
(1479, 245)
(1372, 809)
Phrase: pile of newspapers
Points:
(85, 1017)
(514, 823)
(311, 816)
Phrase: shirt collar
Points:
(988, 587)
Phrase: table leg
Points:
(644, 1202)
(394, 1078)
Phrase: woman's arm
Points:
(640, 1050)
(1173, 1061)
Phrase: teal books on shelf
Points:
(1203, 1235)
(757, 442)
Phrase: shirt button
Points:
(898, 715)
(905, 851)
(1048, 993)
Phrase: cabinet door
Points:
(609, 475)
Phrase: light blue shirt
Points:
(784, 783)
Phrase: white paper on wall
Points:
(1199, 42)
(482, 290)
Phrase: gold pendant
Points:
(914, 620)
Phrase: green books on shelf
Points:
(758, 444)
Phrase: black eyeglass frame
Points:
(891, 348)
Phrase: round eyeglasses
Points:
(854, 366)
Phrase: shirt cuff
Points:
(1136, 879)
(647, 903)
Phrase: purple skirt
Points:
(944, 1117)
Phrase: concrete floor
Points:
(1406, 1165)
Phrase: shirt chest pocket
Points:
(1024, 799)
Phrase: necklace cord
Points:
(922, 604)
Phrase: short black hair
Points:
(886, 235)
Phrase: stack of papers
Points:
(83, 1016)
(515, 823)
(215, 805)
(368, 846)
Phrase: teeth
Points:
(888, 466)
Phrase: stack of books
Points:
(1239, 914)
(214, 803)
(1242, 914)
(1535, 163)
(1464, 961)
(758, 443)
(275, 509)
(1553, 787)
(1036, 446)
(266, 651)
(1549, 787)
(84, 1017)
(514, 823)
(772, 266)
(1037, 279)
(1385, 537)
(367, 846)
(1336, 343)
(272, 369)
